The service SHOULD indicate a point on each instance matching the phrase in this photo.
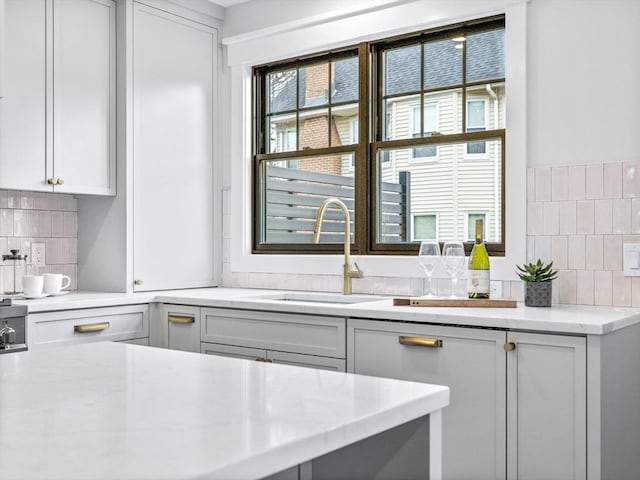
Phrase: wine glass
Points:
(429, 258)
(453, 261)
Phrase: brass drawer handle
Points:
(420, 341)
(262, 359)
(509, 346)
(181, 319)
(91, 327)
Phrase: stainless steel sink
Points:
(310, 297)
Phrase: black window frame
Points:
(371, 119)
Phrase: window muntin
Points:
(400, 127)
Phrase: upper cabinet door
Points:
(174, 68)
(23, 135)
(84, 96)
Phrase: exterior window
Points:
(425, 227)
(430, 120)
(470, 234)
(430, 100)
(476, 122)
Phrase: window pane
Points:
(449, 112)
(485, 55)
(345, 125)
(442, 64)
(344, 80)
(402, 70)
(424, 227)
(282, 133)
(451, 186)
(282, 91)
(294, 191)
(476, 114)
(398, 113)
(314, 129)
(313, 85)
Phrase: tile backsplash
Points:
(580, 216)
(31, 217)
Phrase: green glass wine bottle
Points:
(478, 274)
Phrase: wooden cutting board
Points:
(455, 302)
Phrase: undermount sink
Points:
(309, 297)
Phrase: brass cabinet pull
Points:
(181, 319)
(262, 359)
(138, 282)
(420, 341)
(91, 327)
(509, 346)
(60, 181)
(52, 181)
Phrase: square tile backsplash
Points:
(586, 213)
(33, 217)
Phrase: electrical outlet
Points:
(495, 289)
(37, 254)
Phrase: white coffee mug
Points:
(53, 282)
(32, 285)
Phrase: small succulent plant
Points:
(536, 271)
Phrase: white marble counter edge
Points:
(569, 319)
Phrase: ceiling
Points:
(227, 3)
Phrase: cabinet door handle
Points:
(60, 181)
(138, 282)
(52, 181)
(181, 319)
(91, 327)
(509, 346)
(261, 359)
(420, 341)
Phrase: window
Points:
(433, 95)
(476, 122)
(425, 227)
(470, 228)
(430, 120)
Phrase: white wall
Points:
(584, 81)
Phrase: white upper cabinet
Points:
(174, 81)
(58, 115)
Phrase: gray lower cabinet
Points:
(304, 340)
(469, 361)
(518, 400)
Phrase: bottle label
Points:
(478, 283)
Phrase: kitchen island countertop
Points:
(118, 411)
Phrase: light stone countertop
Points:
(117, 411)
(571, 319)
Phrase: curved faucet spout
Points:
(348, 271)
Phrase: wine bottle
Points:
(478, 274)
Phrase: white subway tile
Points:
(568, 217)
(14, 243)
(576, 257)
(635, 215)
(630, 180)
(57, 224)
(13, 199)
(602, 284)
(6, 222)
(45, 223)
(566, 286)
(63, 250)
(550, 218)
(535, 218)
(577, 182)
(543, 184)
(621, 216)
(531, 184)
(26, 200)
(612, 252)
(621, 289)
(40, 201)
(517, 290)
(73, 250)
(594, 259)
(559, 183)
(70, 227)
(543, 248)
(51, 251)
(612, 181)
(560, 252)
(584, 217)
(602, 215)
(67, 203)
(19, 223)
(52, 201)
(3, 199)
(33, 223)
(584, 287)
(594, 182)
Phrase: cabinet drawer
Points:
(89, 325)
(307, 334)
(182, 326)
